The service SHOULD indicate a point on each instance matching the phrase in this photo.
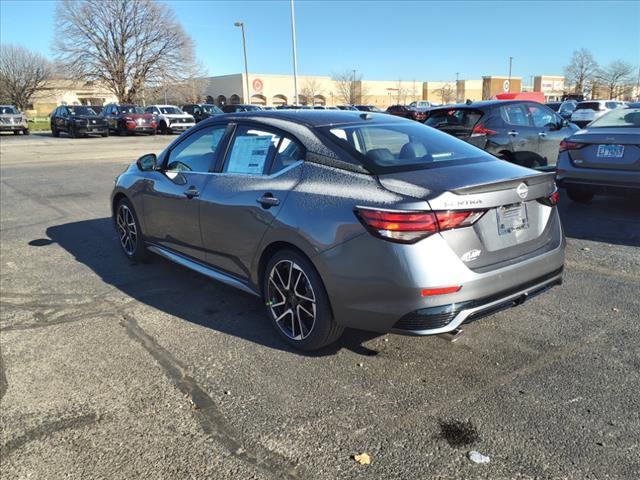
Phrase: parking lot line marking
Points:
(211, 419)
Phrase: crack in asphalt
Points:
(211, 419)
(4, 385)
(49, 428)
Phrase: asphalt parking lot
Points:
(119, 371)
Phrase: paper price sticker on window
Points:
(249, 154)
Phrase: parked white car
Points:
(12, 120)
(420, 105)
(171, 118)
(587, 112)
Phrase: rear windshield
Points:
(620, 117)
(392, 147)
(588, 106)
(211, 109)
(454, 118)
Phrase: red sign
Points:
(257, 85)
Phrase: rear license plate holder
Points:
(610, 151)
(512, 218)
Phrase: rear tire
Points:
(129, 232)
(580, 196)
(297, 302)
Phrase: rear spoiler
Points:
(510, 183)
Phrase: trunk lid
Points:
(607, 148)
(515, 225)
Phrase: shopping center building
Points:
(274, 90)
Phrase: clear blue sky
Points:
(383, 40)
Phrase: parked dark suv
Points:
(129, 119)
(522, 132)
(201, 111)
(77, 121)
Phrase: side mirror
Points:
(147, 163)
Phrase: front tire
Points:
(579, 195)
(55, 132)
(26, 131)
(129, 232)
(297, 302)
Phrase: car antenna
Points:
(366, 116)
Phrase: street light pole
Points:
(457, 88)
(510, 63)
(295, 58)
(353, 87)
(246, 67)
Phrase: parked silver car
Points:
(345, 219)
(603, 158)
(11, 120)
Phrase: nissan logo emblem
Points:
(522, 190)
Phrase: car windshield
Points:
(403, 146)
(82, 111)
(211, 109)
(627, 118)
(250, 108)
(8, 111)
(171, 110)
(130, 109)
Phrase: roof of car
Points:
(482, 104)
(317, 118)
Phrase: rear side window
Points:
(258, 151)
(514, 115)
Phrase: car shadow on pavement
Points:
(614, 220)
(178, 291)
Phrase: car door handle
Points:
(268, 201)
(513, 133)
(542, 134)
(192, 192)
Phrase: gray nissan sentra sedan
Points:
(345, 219)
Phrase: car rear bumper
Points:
(378, 295)
(435, 320)
(597, 180)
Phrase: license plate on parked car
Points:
(512, 218)
(610, 151)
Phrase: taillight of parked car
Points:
(564, 145)
(480, 129)
(552, 200)
(411, 226)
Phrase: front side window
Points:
(196, 152)
(514, 115)
(394, 147)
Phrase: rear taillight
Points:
(410, 226)
(480, 129)
(552, 200)
(564, 145)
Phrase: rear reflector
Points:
(426, 292)
(411, 226)
(564, 145)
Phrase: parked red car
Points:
(129, 119)
(406, 112)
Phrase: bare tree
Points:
(22, 72)
(121, 43)
(189, 89)
(616, 78)
(401, 93)
(447, 93)
(311, 88)
(581, 70)
(349, 87)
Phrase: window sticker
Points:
(249, 154)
